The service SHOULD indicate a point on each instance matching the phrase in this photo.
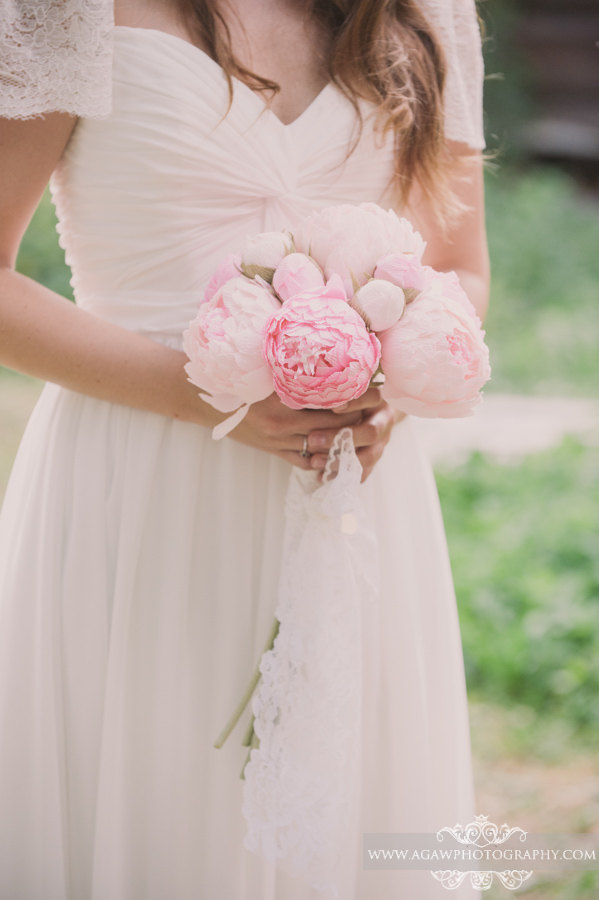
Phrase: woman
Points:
(139, 558)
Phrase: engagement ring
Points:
(304, 451)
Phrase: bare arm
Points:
(464, 247)
(45, 335)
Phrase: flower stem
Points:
(248, 691)
(247, 738)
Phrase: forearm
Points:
(477, 288)
(44, 335)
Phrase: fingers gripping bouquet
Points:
(317, 316)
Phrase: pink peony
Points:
(381, 302)
(228, 268)
(319, 349)
(224, 345)
(408, 274)
(435, 359)
(448, 286)
(404, 271)
(350, 240)
(296, 273)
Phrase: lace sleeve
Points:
(456, 24)
(55, 55)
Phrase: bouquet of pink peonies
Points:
(320, 314)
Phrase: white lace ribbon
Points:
(300, 781)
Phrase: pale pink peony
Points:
(435, 359)
(350, 240)
(320, 352)
(408, 274)
(404, 271)
(296, 273)
(381, 302)
(448, 286)
(228, 268)
(224, 345)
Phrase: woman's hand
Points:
(270, 425)
(371, 434)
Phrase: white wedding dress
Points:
(139, 558)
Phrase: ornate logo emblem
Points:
(481, 834)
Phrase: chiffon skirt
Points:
(138, 573)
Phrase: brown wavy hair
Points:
(383, 51)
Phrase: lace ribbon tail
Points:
(302, 782)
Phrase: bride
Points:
(139, 558)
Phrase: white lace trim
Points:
(456, 24)
(301, 782)
(55, 55)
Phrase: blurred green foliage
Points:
(40, 256)
(524, 545)
(574, 886)
(508, 90)
(543, 322)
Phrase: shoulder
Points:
(155, 14)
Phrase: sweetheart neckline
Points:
(201, 54)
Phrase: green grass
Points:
(524, 544)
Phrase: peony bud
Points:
(381, 302)
(263, 253)
(296, 273)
